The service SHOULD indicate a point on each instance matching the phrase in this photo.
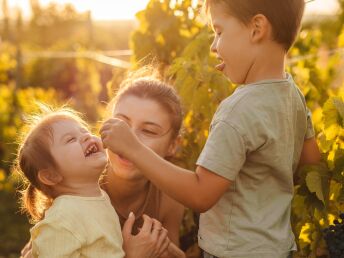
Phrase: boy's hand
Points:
(118, 138)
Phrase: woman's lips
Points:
(124, 161)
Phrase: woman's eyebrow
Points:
(145, 123)
(122, 115)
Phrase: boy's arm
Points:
(198, 190)
(310, 155)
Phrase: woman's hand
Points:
(26, 251)
(150, 242)
(117, 137)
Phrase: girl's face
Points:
(152, 125)
(79, 154)
(231, 44)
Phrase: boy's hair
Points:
(284, 15)
(34, 155)
(145, 83)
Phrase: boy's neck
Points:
(81, 189)
(268, 64)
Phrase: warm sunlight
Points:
(119, 9)
(101, 9)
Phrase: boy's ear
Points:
(260, 28)
(49, 177)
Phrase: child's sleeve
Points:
(224, 152)
(54, 240)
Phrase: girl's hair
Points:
(34, 155)
(151, 87)
(284, 15)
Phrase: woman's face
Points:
(152, 125)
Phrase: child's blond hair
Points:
(34, 155)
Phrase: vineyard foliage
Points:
(172, 34)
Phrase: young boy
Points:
(258, 137)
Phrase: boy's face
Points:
(231, 44)
(79, 154)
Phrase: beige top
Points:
(255, 141)
(77, 226)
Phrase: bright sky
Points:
(126, 9)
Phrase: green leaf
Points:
(315, 184)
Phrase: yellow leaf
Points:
(2, 175)
(304, 234)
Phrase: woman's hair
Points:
(151, 87)
(34, 155)
(284, 15)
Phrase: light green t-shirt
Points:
(255, 141)
(78, 227)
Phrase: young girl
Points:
(243, 183)
(61, 162)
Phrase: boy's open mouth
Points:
(91, 149)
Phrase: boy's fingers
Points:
(105, 127)
(103, 134)
(128, 225)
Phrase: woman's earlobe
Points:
(172, 149)
(49, 177)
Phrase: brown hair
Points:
(152, 87)
(284, 15)
(34, 155)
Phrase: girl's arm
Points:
(50, 240)
(198, 190)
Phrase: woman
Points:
(153, 110)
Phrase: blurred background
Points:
(78, 51)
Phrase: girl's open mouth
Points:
(91, 149)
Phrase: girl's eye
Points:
(72, 139)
